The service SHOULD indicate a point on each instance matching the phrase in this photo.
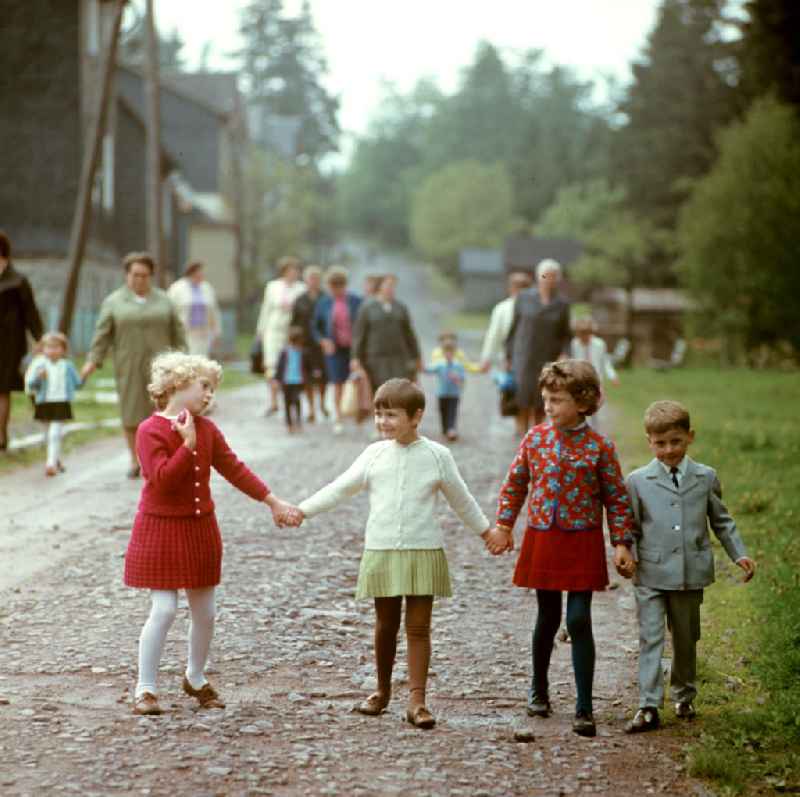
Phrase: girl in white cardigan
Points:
(404, 554)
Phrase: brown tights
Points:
(418, 638)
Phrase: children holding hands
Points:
(675, 500)
(175, 543)
(404, 555)
(572, 473)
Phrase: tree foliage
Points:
(679, 98)
(770, 49)
(538, 121)
(284, 69)
(286, 209)
(466, 204)
(739, 233)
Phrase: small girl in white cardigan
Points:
(404, 554)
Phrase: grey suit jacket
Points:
(673, 545)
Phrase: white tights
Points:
(53, 437)
(154, 633)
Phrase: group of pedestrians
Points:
(136, 322)
(329, 334)
(569, 474)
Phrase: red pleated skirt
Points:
(567, 561)
(174, 552)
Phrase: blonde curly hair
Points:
(171, 371)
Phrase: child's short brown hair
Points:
(296, 336)
(661, 416)
(578, 378)
(56, 337)
(400, 394)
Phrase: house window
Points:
(108, 173)
(92, 27)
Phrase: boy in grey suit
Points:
(675, 500)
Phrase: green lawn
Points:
(747, 735)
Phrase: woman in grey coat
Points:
(385, 344)
(540, 334)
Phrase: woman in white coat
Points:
(196, 303)
(275, 319)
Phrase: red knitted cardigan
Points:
(177, 478)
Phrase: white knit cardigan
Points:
(404, 482)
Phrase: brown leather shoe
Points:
(420, 717)
(374, 705)
(147, 705)
(206, 696)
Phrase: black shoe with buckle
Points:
(645, 719)
(583, 724)
(685, 711)
(538, 706)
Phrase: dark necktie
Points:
(674, 471)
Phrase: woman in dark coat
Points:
(18, 313)
(540, 333)
(302, 316)
(384, 342)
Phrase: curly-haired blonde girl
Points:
(175, 541)
(172, 371)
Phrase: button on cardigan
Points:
(404, 482)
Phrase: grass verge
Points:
(747, 735)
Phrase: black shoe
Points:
(583, 724)
(645, 719)
(685, 711)
(538, 706)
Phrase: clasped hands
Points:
(284, 513)
(498, 540)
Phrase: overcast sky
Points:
(366, 41)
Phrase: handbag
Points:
(257, 356)
(349, 406)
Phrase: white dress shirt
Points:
(681, 466)
(404, 482)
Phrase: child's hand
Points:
(184, 426)
(749, 567)
(283, 513)
(624, 561)
(498, 540)
(41, 373)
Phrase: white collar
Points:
(681, 466)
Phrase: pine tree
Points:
(678, 100)
(284, 70)
(770, 49)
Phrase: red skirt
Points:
(174, 552)
(567, 561)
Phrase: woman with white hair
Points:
(540, 333)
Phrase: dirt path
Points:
(292, 649)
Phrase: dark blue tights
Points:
(579, 626)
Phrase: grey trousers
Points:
(681, 610)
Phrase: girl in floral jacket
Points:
(572, 473)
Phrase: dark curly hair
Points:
(578, 378)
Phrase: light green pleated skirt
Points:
(387, 574)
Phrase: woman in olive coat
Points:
(18, 314)
(137, 321)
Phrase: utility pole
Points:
(153, 179)
(91, 157)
